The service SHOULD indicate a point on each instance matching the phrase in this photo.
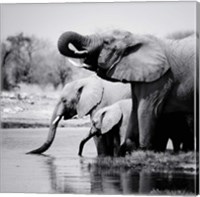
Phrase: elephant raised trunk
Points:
(87, 47)
(80, 43)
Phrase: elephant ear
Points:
(90, 93)
(111, 117)
(141, 60)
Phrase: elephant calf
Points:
(113, 120)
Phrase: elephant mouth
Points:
(88, 67)
(108, 73)
(103, 74)
(109, 67)
(113, 66)
(67, 116)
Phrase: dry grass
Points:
(151, 161)
(171, 192)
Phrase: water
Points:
(61, 170)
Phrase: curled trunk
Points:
(78, 41)
(86, 47)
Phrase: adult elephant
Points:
(161, 73)
(84, 97)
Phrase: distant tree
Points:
(5, 52)
(30, 60)
(19, 57)
(63, 70)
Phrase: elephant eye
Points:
(64, 100)
(108, 41)
(93, 124)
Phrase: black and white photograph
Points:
(100, 98)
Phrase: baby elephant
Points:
(113, 121)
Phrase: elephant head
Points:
(78, 97)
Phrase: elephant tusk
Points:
(85, 66)
(74, 63)
(85, 52)
(56, 120)
(77, 52)
(80, 65)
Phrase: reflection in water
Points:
(62, 171)
(143, 182)
(118, 181)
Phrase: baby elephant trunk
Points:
(82, 143)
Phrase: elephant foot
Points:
(159, 150)
(127, 147)
(146, 147)
(122, 151)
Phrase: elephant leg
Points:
(163, 146)
(189, 137)
(110, 143)
(160, 143)
(116, 144)
(132, 137)
(165, 129)
(101, 145)
(131, 141)
(151, 99)
(188, 141)
(176, 145)
(147, 125)
(188, 146)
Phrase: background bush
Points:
(27, 59)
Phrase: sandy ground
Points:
(32, 107)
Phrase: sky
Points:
(49, 21)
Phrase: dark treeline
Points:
(27, 59)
